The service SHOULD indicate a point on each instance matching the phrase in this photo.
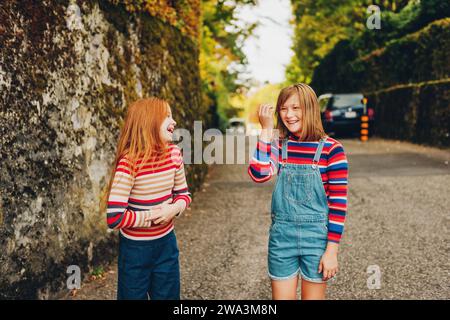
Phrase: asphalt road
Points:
(396, 230)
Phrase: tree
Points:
(222, 38)
(320, 24)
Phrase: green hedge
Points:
(395, 25)
(406, 82)
(417, 57)
(419, 112)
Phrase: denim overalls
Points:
(298, 234)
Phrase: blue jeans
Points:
(148, 269)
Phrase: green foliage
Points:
(213, 24)
(221, 45)
(98, 271)
(403, 68)
(320, 24)
(413, 17)
(182, 14)
(376, 58)
(427, 51)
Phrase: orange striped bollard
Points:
(364, 128)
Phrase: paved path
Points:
(398, 223)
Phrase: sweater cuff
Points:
(140, 221)
(183, 205)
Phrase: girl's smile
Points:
(168, 127)
(291, 114)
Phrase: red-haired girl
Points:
(147, 190)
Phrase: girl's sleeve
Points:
(264, 161)
(118, 215)
(180, 189)
(337, 171)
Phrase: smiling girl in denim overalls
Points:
(309, 201)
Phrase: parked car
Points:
(341, 113)
(236, 126)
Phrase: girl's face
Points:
(167, 127)
(291, 114)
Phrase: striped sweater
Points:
(333, 168)
(155, 182)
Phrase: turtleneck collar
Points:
(292, 136)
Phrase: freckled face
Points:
(291, 114)
(167, 127)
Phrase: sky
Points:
(269, 50)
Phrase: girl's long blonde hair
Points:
(140, 135)
(311, 127)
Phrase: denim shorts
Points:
(296, 248)
(148, 269)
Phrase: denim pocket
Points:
(298, 188)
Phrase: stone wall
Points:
(68, 69)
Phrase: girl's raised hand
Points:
(265, 114)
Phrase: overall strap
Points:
(318, 152)
(284, 153)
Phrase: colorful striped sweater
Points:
(333, 168)
(155, 182)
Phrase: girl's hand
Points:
(328, 264)
(148, 215)
(166, 213)
(265, 114)
(266, 120)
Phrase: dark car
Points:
(341, 113)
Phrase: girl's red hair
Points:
(140, 137)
